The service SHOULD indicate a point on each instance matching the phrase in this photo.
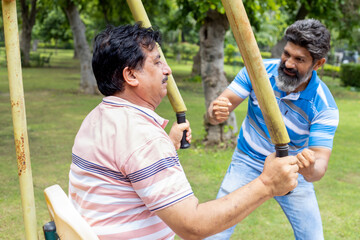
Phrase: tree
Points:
(88, 82)
(28, 16)
(212, 21)
(53, 25)
(212, 35)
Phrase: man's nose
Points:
(167, 69)
(290, 63)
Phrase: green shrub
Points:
(330, 71)
(230, 51)
(265, 55)
(196, 78)
(186, 51)
(350, 74)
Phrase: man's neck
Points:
(134, 99)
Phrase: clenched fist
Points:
(219, 110)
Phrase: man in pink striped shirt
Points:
(125, 178)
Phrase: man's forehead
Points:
(297, 50)
(152, 54)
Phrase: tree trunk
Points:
(212, 35)
(196, 68)
(277, 50)
(27, 26)
(87, 83)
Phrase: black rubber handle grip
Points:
(181, 118)
(282, 151)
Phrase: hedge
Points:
(330, 70)
(350, 74)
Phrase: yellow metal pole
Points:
(19, 117)
(138, 11)
(250, 52)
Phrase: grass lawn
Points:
(55, 110)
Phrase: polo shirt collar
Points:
(308, 93)
(120, 102)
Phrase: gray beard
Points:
(288, 83)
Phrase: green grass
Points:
(55, 110)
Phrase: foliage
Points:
(198, 9)
(271, 29)
(230, 51)
(265, 55)
(185, 50)
(195, 79)
(53, 26)
(349, 74)
(342, 15)
(330, 70)
(232, 55)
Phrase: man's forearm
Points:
(318, 171)
(206, 219)
(239, 204)
(191, 220)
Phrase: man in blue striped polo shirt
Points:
(309, 113)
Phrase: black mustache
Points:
(290, 70)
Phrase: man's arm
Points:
(313, 163)
(220, 109)
(191, 220)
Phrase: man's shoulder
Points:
(271, 61)
(271, 66)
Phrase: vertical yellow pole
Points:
(138, 11)
(19, 117)
(250, 52)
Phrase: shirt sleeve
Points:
(323, 127)
(241, 85)
(157, 176)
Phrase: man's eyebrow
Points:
(294, 55)
(157, 58)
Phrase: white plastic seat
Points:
(69, 223)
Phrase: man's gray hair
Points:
(310, 34)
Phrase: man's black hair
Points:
(116, 48)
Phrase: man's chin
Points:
(287, 89)
(285, 86)
(164, 93)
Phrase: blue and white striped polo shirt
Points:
(311, 116)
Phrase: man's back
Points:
(122, 170)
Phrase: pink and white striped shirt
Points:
(124, 169)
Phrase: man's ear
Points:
(130, 77)
(319, 63)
